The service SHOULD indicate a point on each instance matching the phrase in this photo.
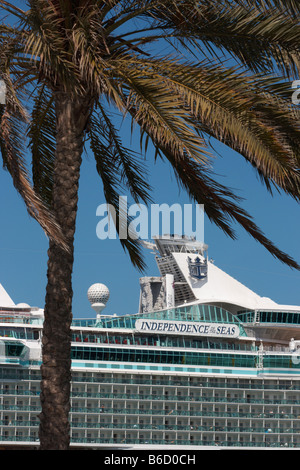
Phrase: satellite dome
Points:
(22, 305)
(98, 295)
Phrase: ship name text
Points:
(178, 327)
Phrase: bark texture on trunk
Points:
(54, 431)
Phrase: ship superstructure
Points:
(205, 363)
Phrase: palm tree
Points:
(222, 70)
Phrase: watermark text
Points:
(138, 221)
(2, 92)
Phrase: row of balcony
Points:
(161, 380)
(174, 412)
(102, 441)
(179, 398)
(161, 412)
(173, 398)
(153, 427)
(259, 384)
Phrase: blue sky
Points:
(23, 245)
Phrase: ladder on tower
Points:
(256, 316)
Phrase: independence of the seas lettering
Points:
(179, 327)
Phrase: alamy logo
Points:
(146, 222)
(2, 92)
(296, 357)
(2, 351)
(294, 347)
(296, 94)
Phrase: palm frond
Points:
(220, 206)
(258, 38)
(13, 9)
(153, 111)
(249, 114)
(91, 49)
(289, 7)
(41, 133)
(154, 105)
(12, 131)
(128, 163)
(119, 169)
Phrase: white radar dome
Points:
(98, 295)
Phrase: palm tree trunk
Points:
(54, 432)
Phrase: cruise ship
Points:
(206, 363)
